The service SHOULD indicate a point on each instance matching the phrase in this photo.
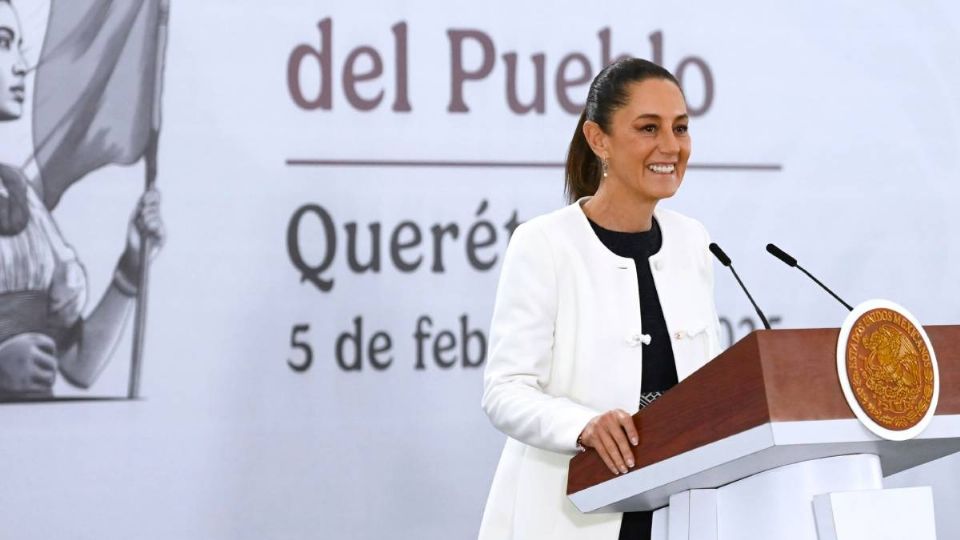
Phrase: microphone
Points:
(724, 260)
(790, 261)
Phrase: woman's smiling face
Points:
(647, 144)
(13, 67)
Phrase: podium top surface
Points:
(770, 377)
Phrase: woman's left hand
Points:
(145, 223)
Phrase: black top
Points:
(659, 366)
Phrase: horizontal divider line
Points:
(503, 164)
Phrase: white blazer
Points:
(565, 346)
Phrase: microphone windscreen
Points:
(719, 254)
(782, 255)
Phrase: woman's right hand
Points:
(28, 364)
(611, 434)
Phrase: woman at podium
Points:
(601, 306)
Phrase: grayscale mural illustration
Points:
(95, 102)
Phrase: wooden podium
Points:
(768, 410)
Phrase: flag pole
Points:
(150, 166)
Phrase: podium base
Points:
(883, 514)
(779, 503)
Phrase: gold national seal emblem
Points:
(889, 369)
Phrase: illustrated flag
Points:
(96, 84)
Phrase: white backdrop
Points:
(855, 110)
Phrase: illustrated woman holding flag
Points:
(43, 288)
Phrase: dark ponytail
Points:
(583, 168)
(608, 92)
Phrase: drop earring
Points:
(604, 166)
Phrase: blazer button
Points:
(635, 340)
